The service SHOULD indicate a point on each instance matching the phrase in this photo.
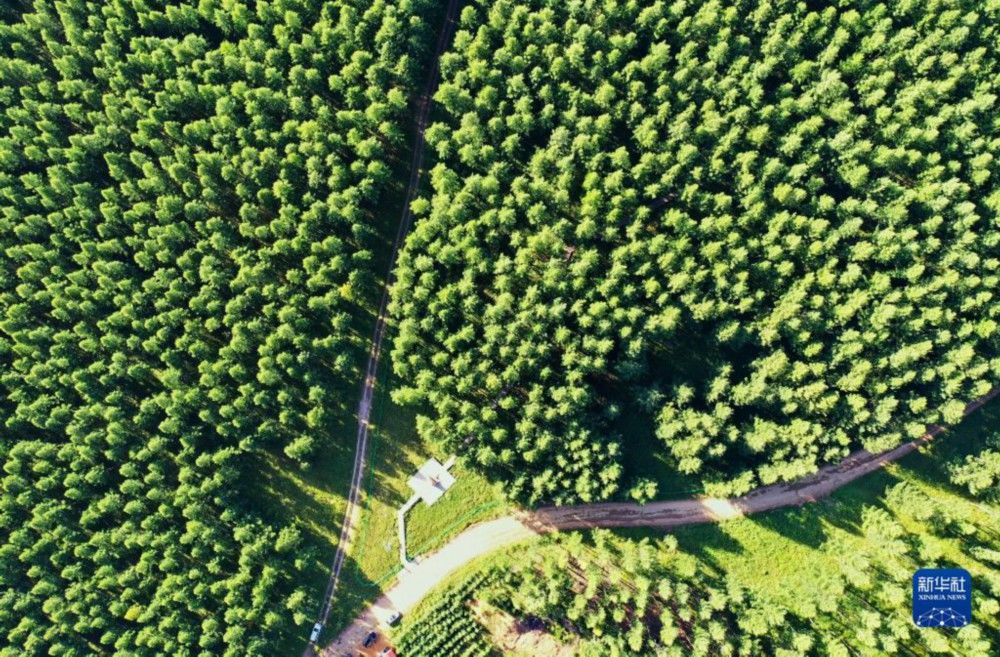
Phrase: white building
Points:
(431, 481)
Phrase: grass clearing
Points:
(784, 556)
(780, 554)
(317, 495)
(395, 454)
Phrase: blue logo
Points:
(942, 597)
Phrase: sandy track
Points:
(414, 584)
(352, 512)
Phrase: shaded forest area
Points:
(187, 193)
(769, 227)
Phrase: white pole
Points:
(401, 528)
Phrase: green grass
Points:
(779, 554)
(316, 495)
(396, 452)
(316, 498)
(471, 499)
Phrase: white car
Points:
(393, 618)
(317, 628)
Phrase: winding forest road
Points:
(481, 539)
(347, 531)
(414, 583)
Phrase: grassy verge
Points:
(395, 454)
(785, 556)
(780, 555)
(316, 496)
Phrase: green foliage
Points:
(643, 491)
(446, 627)
(621, 596)
(773, 223)
(980, 472)
(634, 598)
(186, 195)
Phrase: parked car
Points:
(387, 652)
(314, 635)
(393, 618)
(370, 639)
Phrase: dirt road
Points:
(416, 582)
(413, 584)
(423, 106)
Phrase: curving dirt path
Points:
(414, 583)
(347, 531)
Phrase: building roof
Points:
(431, 481)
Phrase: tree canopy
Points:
(770, 224)
(689, 594)
(186, 201)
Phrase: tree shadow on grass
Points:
(394, 443)
(844, 508)
(281, 493)
(646, 456)
(977, 432)
(800, 524)
(707, 543)
(354, 592)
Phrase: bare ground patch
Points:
(519, 638)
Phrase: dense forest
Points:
(610, 595)
(769, 226)
(187, 192)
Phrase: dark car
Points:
(370, 639)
